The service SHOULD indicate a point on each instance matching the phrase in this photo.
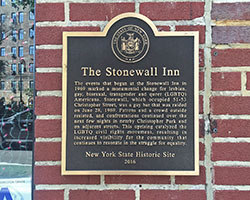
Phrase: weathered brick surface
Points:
(48, 105)
(102, 195)
(104, 11)
(48, 81)
(48, 194)
(52, 175)
(163, 28)
(230, 57)
(231, 34)
(226, 81)
(201, 81)
(233, 128)
(248, 81)
(172, 10)
(201, 179)
(231, 11)
(48, 58)
(200, 104)
(202, 151)
(172, 194)
(49, 12)
(231, 195)
(137, 180)
(222, 105)
(47, 128)
(231, 151)
(201, 30)
(47, 151)
(201, 58)
(53, 35)
(82, 16)
(232, 175)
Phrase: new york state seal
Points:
(130, 43)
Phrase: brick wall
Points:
(224, 99)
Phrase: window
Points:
(2, 52)
(20, 68)
(31, 67)
(20, 34)
(13, 67)
(31, 50)
(31, 16)
(13, 17)
(3, 35)
(31, 33)
(3, 2)
(20, 51)
(2, 86)
(13, 52)
(31, 84)
(20, 19)
(14, 35)
(3, 17)
(13, 85)
(20, 85)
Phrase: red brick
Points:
(48, 81)
(102, 195)
(201, 179)
(173, 195)
(232, 175)
(200, 104)
(48, 128)
(230, 57)
(201, 29)
(231, 11)
(48, 58)
(231, 151)
(231, 195)
(47, 151)
(172, 10)
(48, 105)
(230, 105)
(201, 81)
(231, 34)
(202, 151)
(248, 81)
(49, 12)
(53, 35)
(233, 128)
(48, 194)
(163, 28)
(137, 179)
(226, 81)
(201, 128)
(52, 175)
(201, 58)
(98, 11)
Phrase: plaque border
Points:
(194, 34)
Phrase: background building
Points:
(16, 51)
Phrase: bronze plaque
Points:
(130, 100)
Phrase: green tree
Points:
(24, 4)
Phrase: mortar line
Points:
(102, 180)
(66, 12)
(137, 194)
(66, 194)
(137, 6)
(207, 95)
(172, 179)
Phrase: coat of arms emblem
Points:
(130, 43)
